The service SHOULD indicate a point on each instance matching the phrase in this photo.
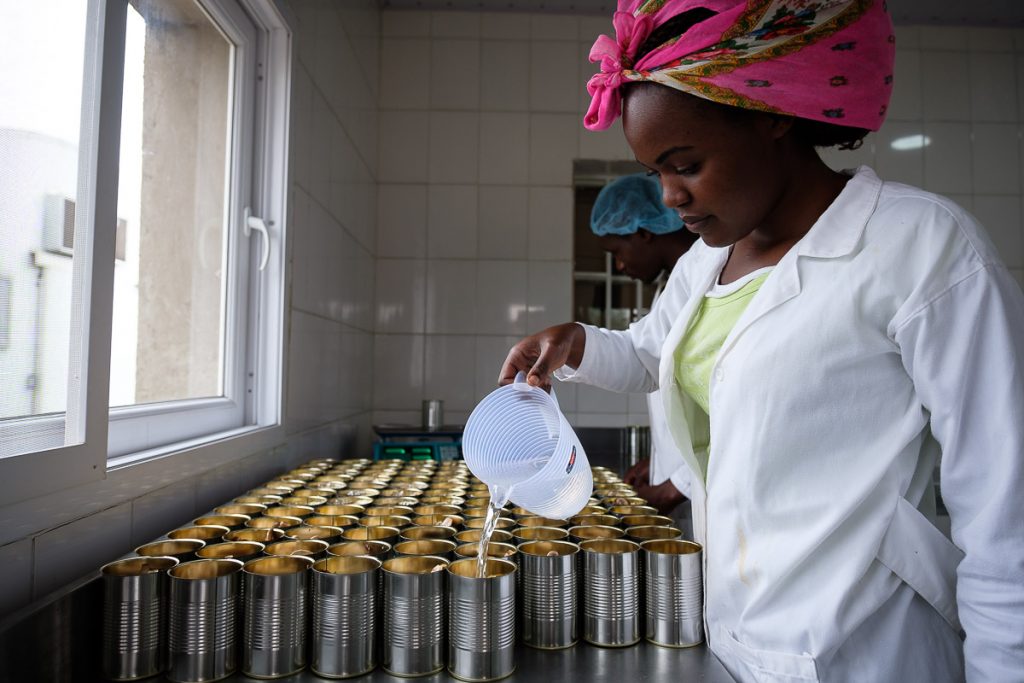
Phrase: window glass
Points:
(42, 56)
(168, 336)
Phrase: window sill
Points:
(215, 448)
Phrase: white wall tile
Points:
(908, 37)
(946, 94)
(1018, 275)
(455, 74)
(504, 219)
(553, 147)
(449, 371)
(301, 135)
(604, 144)
(451, 297)
(899, 165)
(403, 146)
(157, 512)
(491, 352)
(504, 148)
(501, 297)
(405, 24)
(549, 295)
(404, 73)
(451, 221)
(398, 371)
(16, 588)
(455, 24)
(593, 400)
(401, 302)
(907, 92)
(948, 157)
(324, 124)
(996, 149)
(551, 210)
(581, 419)
(300, 243)
(401, 221)
(1001, 217)
(991, 98)
(505, 26)
(554, 77)
(592, 27)
(565, 392)
(943, 38)
(454, 145)
(69, 552)
(965, 201)
(505, 82)
(397, 417)
(987, 39)
(553, 27)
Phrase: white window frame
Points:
(43, 454)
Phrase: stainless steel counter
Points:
(59, 640)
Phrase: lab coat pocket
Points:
(765, 666)
(918, 553)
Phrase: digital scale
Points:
(410, 442)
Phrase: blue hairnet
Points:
(630, 203)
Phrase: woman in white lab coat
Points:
(829, 339)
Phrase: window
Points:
(602, 296)
(143, 304)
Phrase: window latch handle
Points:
(256, 223)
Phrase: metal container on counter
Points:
(674, 616)
(183, 549)
(611, 592)
(548, 590)
(238, 550)
(344, 596)
(203, 628)
(481, 620)
(274, 626)
(135, 617)
(312, 548)
(207, 533)
(380, 550)
(538, 533)
(438, 547)
(413, 638)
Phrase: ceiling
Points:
(940, 12)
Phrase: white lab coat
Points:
(890, 334)
(667, 462)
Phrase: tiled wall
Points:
(479, 125)
(480, 122)
(52, 541)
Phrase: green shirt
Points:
(715, 317)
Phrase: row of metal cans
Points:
(272, 587)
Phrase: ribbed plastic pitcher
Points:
(518, 442)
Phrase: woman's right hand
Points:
(541, 354)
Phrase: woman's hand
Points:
(541, 354)
(638, 473)
(665, 496)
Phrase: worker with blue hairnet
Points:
(646, 239)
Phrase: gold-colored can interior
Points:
(278, 566)
(259, 535)
(478, 523)
(500, 550)
(473, 536)
(414, 564)
(347, 548)
(590, 520)
(205, 569)
(671, 547)
(428, 547)
(653, 532)
(346, 564)
(341, 521)
(203, 533)
(229, 521)
(287, 548)
(547, 548)
(370, 533)
(646, 520)
(493, 568)
(273, 522)
(609, 546)
(341, 510)
(542, 521)
(249, 509)
(234, 549)
(138, 566)
(426, 533)
(540, 533)
(386, 510)
(596, 531)
(178, 547)
(290, 511)
(304, 532)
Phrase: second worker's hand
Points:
(638, 474)
(541, 354)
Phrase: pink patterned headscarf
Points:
(824, 60)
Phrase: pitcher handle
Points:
(521, 384)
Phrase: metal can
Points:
(413, 615)
(203, 628)
(675, 592)
(134, 617)
(344, 638)
(481, 620)
(611, 614)
(438, 547)
(274, 624)
(548, 582)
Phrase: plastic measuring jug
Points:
(519, 443)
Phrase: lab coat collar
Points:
(838, 230)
